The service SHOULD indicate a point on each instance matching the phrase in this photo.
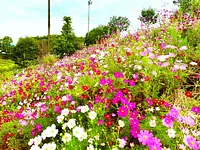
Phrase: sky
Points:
(20, 18)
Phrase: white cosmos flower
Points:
(31, 142)
(64, 126)
(84, 108)
(65, 112)
(37, 140)
(51, 131)
(45, 147)
(152, 123)
(52, 146)
(60, 118)
(92, 115)
(90, 147)
(66, 137)
(171, 133)
(121, 123)
(193, 63)
(35, 147)
(77, 131)
(71, 123)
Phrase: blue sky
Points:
(20, 18)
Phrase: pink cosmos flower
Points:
(119, 95)
(188, 120)
(148, 100)
(133, 114)
(102, 82)
(196, 109)
(131, 105)
(122, 111)
(118, 75)
(144, 137)
(174, 112)
(134, 132)
(134, 122)
(154, 144)
(191, 142)
(100, 122)
(168, 122)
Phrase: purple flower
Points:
(115, 101)
(144, 137)
(134, 132)
(174, 112)
(100, 122)
(133, 114)
(119, 95)
(38, 126)
(134, 122)
(124, 101)
(195, 109)
(102, 82)
(131, 105)
(148, 100)
(188, 120)
(118, 75)
(191, 142)
(154, 144)
(166, 104)
(109, 81)
(132, 83)
(122, 111)
(168, 121)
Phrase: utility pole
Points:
(89, 3)
(49, 46)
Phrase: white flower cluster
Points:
(64, 113)
(34, 143)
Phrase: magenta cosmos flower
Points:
(122, 111)
(196, 109)
(191, 142)
(102, 82)
(154, 144)
(118, 75)
(144, 137)
(134, 132)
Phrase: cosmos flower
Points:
(144, 137)
(122, 111)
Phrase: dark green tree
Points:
(6, 47)
(26, 51)
(148, 16)
(66, 39)
(96, 34)
(118, 23)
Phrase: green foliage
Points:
(26, 50)
(118, 23)
(148, 16)
(96, 34)
(6, 47)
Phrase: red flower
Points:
(85, 88)
(161, 102)
(188, 94)
(155, 101)
(107, 116)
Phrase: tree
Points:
(5, 46)
(66, 38)
(118, 23)
(26, 50)
(148, 16)
(96, 34)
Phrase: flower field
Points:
(136, 92)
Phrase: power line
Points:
(57, 8)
